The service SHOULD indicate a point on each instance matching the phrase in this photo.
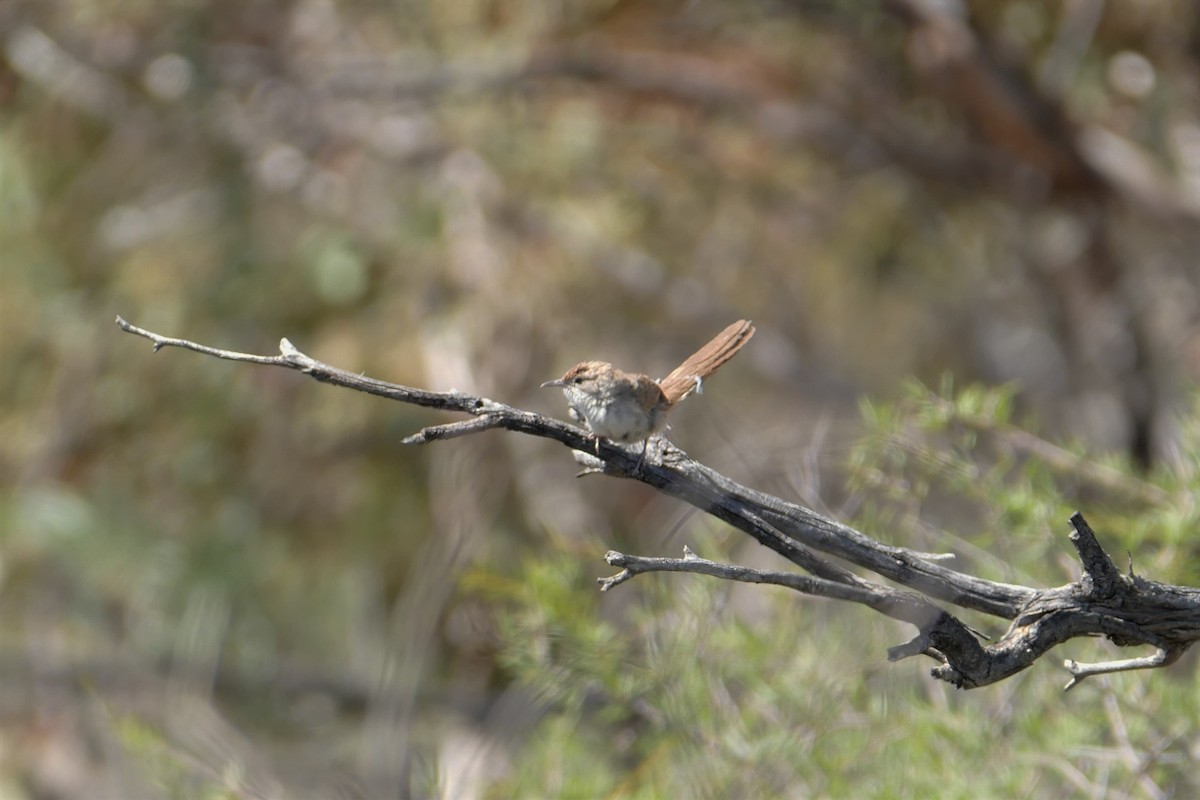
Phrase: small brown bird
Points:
(628, 407)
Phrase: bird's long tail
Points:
(687, 377)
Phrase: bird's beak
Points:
(556, 382)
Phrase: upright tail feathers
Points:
(686, 378)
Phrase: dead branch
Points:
(1126, 609)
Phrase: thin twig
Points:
(818, 587)
(451, 430)
(291, 358)
(1160, 658)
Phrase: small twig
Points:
(1162, 657)
(917, 646)
(592, 464)
(291, 358)
(940, 634)
(819, 587)
(881, 598)
(451, 430)
(934, 556)
(166, 341)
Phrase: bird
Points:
(628, 407)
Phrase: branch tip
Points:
(918, 645)
(1101, 578)
(1161, 657)
(615, 580)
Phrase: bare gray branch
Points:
(1128, 610)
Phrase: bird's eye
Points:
(577, 379)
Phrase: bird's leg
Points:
(642, 458)
(594, 438)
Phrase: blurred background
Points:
(223, 580)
